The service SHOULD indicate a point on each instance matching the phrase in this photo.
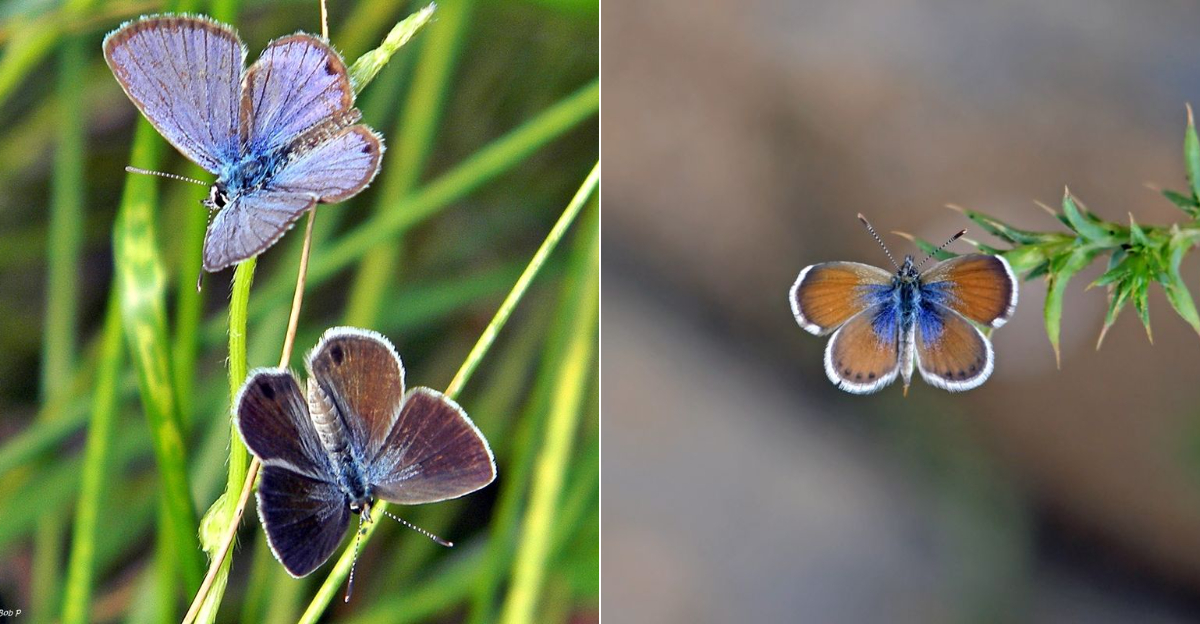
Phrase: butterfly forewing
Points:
(297, 82)
(826, 295)
(981, 288)
(250, 224)
(864, 354)
(362, 375)
(336, 169)
(951, 353)
(184, 74)
(304, 518)
(272, 416)
(302, 510)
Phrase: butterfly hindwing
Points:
(297, 82)
(980, 287)
(184, 73)
(826, 295)
(863, 355)
(334, 170)
(951, 353)
(304, 518)
(361, 374)
(434, 452)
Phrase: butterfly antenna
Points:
(166, 175)
(935, 251)
(878, 240)
(357, 539)
(418, 529)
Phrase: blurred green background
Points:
(739, 484)
(489, 117)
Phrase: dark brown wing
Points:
(433, 453)
(362, 376)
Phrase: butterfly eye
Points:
(217, 199)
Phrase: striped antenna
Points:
(354, 563)
(935, 251)
(878, 240)
(166, 175)
(418, 529)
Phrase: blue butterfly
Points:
(280, 136)
(883, 322)
(353, 436)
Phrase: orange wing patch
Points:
(827, 295)
(981, 288)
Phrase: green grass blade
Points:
(580, 303)
(221, 514)
(80, 568)
(411, 138)
(59, 329)
(32, 40)
(535, 264)
(141, 283)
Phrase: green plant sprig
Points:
(1138, 255)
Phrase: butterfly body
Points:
(280, 136)
(884, 325)
(346, 461)
(356, 436)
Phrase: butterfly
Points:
(281, 136)
(353, 436)
(884, 322)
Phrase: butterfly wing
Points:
(335, 169)
(951, 353)
(184, 74)
(302, 510)
(980, 287)
(272, 416)
(433, 452)
(250, 224)
(361, 374)
(826, 295)
(297, 82)
(304, 518)
(863, 355)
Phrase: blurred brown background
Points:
(740, 139)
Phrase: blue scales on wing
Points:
(184, 74)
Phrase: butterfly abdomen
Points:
(327, 420)
(331, 429)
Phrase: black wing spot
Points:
(267, 390)
(857, 376)
(871, 376)
(330, 67)
(337, 354)
(368, 148)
